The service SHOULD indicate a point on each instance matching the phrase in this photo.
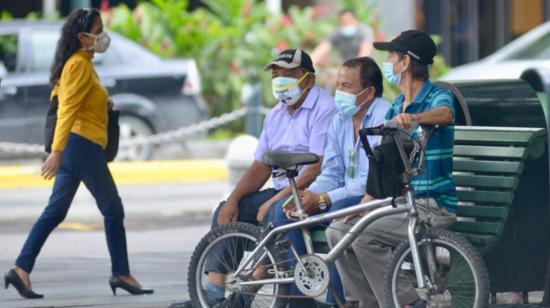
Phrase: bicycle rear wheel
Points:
(456, 277)
(226, 246)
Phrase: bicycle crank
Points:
(314, 277)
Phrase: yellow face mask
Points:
(287, 90)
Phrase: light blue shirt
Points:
(345, 164)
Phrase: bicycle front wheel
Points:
(226, 246)
(454, 273)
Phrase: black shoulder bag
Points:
(385, 167)
(113, 130)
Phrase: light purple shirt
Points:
(302, 132)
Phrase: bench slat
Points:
(321, 247)
(493, 197)
(481, 211)
(487, 166)
(490, 151)
(477, 227)
(494, 137)
(318, 235)
(501, 182)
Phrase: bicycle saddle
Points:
(288, 160)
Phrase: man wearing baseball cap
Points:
(427, 104)
(298, 123)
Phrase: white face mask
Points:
(287, 90)
(101, 43)
(348, 31)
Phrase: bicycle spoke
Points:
(232, 253)
(228, 252)
(222, 260)
(451, 280)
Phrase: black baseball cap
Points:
(416, 44)
(292, 58)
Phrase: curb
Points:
(128, 173)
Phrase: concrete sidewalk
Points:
(142, 204)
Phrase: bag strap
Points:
(365, 143)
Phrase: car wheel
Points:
(134, 127)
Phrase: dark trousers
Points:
(82, 161)
(296, 238)
(248, 211)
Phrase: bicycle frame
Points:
(378, 209)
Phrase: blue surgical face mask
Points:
(391, 77)
(348, 31)
(345, 103)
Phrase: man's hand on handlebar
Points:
(406, 119)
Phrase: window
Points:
(8, 51)
(43, 50)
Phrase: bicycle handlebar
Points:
(399, 135)
(389, 127)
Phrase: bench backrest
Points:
(488, 163)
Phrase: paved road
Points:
(164, 223)
(73, 268)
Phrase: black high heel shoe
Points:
(116, 282)
(12, 278)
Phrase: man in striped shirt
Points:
(427, 104)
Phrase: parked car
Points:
(530, 50)
(153, 95)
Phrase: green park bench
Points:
(488, 164)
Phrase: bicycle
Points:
(444, 268)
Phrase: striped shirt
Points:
(437, 180)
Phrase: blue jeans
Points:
(248, 211)
(297, 240)
(82, 161)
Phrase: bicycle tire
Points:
(443, 239)
(216, 235)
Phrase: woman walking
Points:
(78, 152)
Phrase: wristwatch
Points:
(323, 204)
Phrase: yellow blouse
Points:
(83, 102)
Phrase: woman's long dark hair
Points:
(80, 20)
